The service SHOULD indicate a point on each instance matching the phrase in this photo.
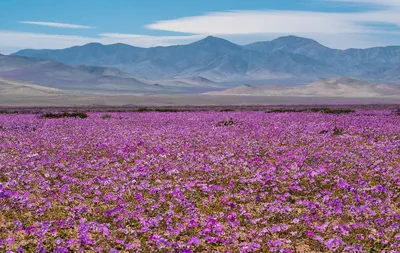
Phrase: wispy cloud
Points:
(58, 25)
(290, 22)
(253, 22)
(373, 26)
(373, 2)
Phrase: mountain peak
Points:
(212, 41)
(295, 45)
(291, 39)
(93, 44)
(223, 61)
(213, 38)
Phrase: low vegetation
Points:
(282, 110)
(62, 115)
(227, 110)
(322, 110)
(106, 116)
(175, 182)
(333, 110)
(144, 109)
(229, 122)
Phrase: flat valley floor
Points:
(179, 100)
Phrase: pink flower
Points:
(310, 234)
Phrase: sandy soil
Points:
(177, 100)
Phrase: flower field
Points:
(201, 182)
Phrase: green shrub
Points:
(106, 116)
(50, 115)
(318, 109)
(144, 109)
(167, 110)
(226, 123)
(285, 110)
(337, 111)
(338, 131)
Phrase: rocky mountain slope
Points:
(80, 78)
(220, 60)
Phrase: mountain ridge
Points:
(220, 60)
(56, 75)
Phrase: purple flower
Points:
(40, 249)
(10, 240)
(380, 222)
(132, 246)
(310, 234)
(186, 251)
(334, 243)
(194, 241)
(185, 182)
(59, 249)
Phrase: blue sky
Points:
(58, 24)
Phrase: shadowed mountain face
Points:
(292, 44)
(361, 63)
(94, 54)
(220, 60)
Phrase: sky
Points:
(50, 24)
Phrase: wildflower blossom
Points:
(179, 182)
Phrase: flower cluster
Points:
(183, 182)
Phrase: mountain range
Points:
(219, 60)
(79, 78)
